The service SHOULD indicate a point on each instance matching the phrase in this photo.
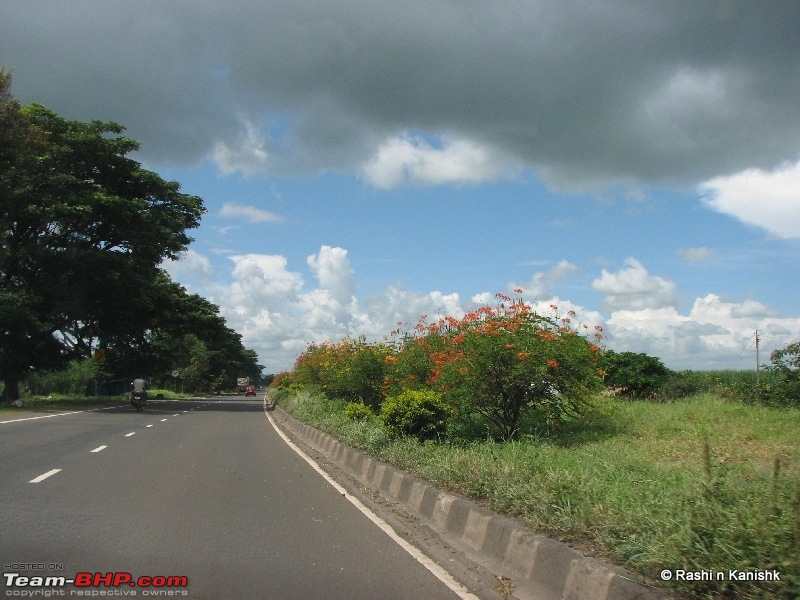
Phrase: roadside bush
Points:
(410, 366)
(637, 375)
(751, 392)
(686, 383)
(357, 411)
(786, 363)
(77, 379)
(510, 363)
(279, 395)
(281, 380)
(776, 385)
(419, 413)
(350, 369)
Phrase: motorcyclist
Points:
(139, 386)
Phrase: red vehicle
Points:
(249, 391)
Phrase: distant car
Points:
(249, 391)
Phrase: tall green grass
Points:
(696, 484)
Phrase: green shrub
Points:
(786, 362)
(357, 411)
(280, 380)
(637, 375)
(278, 395)
(510, 364)
(686, 383)
(352, 370)
(76, 379)
(419, 413)
(776, 385)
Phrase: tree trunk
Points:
(11, 389)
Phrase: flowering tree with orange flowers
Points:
(509, 362)
(501, 364)
(350, 369)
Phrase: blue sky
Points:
(363, 163)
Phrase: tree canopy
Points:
(634, 374)
(187, 335)
(83, 232)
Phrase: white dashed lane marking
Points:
(52, 472)
(44, 476)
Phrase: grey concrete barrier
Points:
(541, 567)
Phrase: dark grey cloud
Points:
(642, 93)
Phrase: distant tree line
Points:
(641, 376)
(83, 232)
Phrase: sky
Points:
(364, 162)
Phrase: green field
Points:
(700, 483)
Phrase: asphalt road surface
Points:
(202, 490)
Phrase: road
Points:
(205, 490)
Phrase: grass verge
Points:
(701, 484)
(70, 402)
(57, 403)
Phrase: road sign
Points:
(99, 355)
(175, 374)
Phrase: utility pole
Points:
(758, 373)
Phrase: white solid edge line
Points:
(74, 412)
(44, 476)
(435, 569)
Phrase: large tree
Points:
(188, 335)
(83, 229)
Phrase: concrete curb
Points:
(541, 567)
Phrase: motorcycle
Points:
(139, 400)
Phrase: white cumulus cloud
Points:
(715, 334)
(768, 199)
(261, 280)
(633, 288)
(190, 265)
(541, 284)
(406, 160)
